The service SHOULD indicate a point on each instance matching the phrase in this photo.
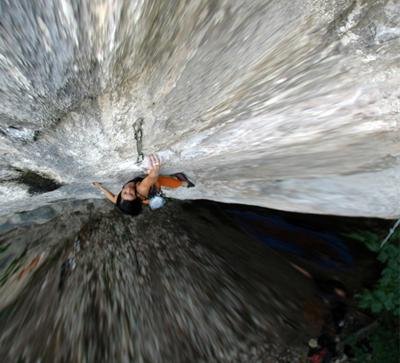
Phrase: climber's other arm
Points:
(110, 196)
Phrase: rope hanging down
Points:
(391, 231)
(138, 128)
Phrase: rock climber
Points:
(144, 189)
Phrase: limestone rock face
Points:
(288, 104)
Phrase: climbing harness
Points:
(391, 231)
(138, 128)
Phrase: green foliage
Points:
(382, 343)
(382, 346)
(385, 296)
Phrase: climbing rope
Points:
(391, 231)
(138, 128)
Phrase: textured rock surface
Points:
(287, 104)
(192, 282)
(182, 284)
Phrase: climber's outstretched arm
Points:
(110, 196)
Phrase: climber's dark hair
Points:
(131, 207)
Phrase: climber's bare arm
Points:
(110, 196)
(144, 187)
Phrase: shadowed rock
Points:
(37, 183)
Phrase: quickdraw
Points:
(138, 129)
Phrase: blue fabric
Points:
(323, 248)
(156, 202)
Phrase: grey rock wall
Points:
(288, 104)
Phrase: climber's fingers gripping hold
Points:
(96, 184)
(155, 162)
(154, 165)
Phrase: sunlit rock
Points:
(291, 105)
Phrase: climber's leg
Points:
(169, 182)
(184, 178)
(174, 181)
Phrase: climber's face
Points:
(128, 192)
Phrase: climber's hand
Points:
(155, 164)
(97, 185)
(109, 195)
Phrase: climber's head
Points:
(127, 201)
(128, 192)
